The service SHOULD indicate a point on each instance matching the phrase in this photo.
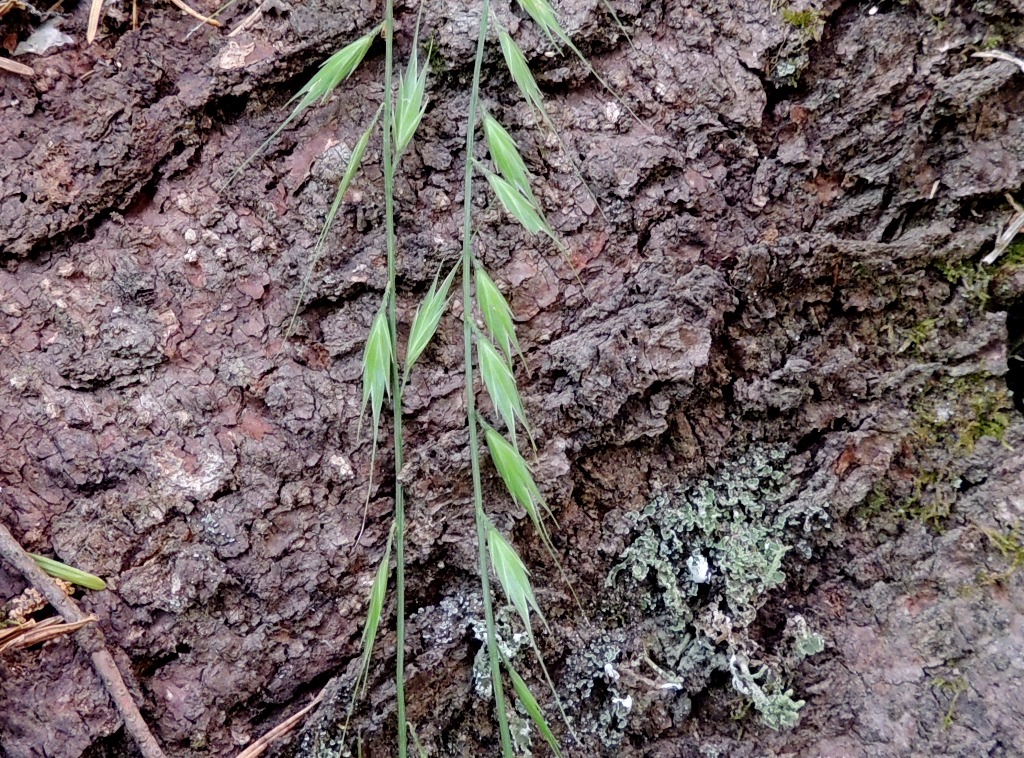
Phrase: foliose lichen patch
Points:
(703, 563)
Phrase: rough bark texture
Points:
(787, 263)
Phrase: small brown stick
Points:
(196, 14)
(260, 745)
(248, 20)
(90, 639)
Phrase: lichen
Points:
(594, 692)
(703, 563)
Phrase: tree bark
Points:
(782, 260)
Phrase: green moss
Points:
(1014, 255)
(949, 420)
(973, 277)
(954, 688)
(808, 21)
(1010, 544)
(703, 563)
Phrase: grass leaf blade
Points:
(68, 573)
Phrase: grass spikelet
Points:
(424, 324)
(521, 74)
(501, 385)
(378, 592)
(544, 16)
(515, 473)
(532, 708)
(513, 577)
(377, 365)
(497, 314)
(410, 107)
(519, 206)
(68, 573)
(333, 72)
(506, 157)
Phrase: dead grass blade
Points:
(196, 14)
(95, 11)
(260, 746)
(37, 632)
(16, 68)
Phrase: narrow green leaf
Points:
(513, 577)
(354, 161)
(532, 708)
(506, 157)
(410, 107)
(519, 206)
(378, 592)
(497, 313)
(501, 385)
(68, 573)
(428, 316)
(377, 364)
(333, 72)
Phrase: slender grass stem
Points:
(474, 440)
(396, 383)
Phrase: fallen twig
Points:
(261, 744)
(91, 640)
(999, 55)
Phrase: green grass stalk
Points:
(474, 439)
(396, 383)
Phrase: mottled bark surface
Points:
(788, 259)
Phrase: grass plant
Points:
(490, 345)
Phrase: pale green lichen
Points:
(714, 551)
(594, 693)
